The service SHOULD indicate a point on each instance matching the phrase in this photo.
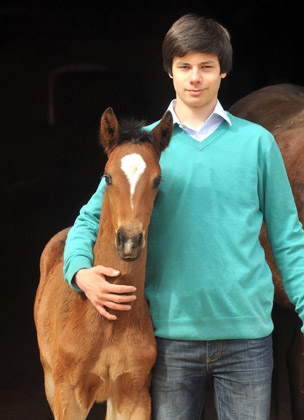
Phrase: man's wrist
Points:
(74, 283)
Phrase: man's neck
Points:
(193, 117)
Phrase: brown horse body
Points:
(280, 109)
(85, 357)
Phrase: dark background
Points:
(61, 64)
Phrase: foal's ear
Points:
(109, 128)
(163, 131)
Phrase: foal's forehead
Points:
(133, 164)
(144, 150)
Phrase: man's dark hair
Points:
(193, 33)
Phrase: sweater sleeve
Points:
(284, 230)
(78, 252)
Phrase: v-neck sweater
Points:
(207, 277)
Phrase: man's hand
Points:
(102, 293)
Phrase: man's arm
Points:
(284, 230)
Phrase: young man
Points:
(209, 287)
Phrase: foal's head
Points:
(132, 176)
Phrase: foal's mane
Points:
(131, 131)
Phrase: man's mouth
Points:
(195, 92)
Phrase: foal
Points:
(85, 357)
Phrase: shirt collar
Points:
(218, 110)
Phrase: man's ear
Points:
(223, 75)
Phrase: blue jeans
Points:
(241, 371)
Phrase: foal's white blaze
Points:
(133, 166)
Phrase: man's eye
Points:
(108, 179)
(156, 181)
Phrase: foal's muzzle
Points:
(129, 243)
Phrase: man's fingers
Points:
(115, 299)
(122, 298)
(112, 305)
(107, 271)
(120, 289)
(113, 288)
(105, 313)
(102, 293)
(117, 306)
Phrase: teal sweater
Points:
(207, 277)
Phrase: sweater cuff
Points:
(74, 266)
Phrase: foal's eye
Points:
(156, 181)
(108, 179)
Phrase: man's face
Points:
(196, 79)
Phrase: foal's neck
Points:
(133, 272)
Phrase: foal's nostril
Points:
(140, 239)
(137, 241)
(118, 237)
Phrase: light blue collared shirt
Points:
(208, 127)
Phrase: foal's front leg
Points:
(130, 404)
(66, 405)
(142, 409)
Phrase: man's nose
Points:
(195, 76)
